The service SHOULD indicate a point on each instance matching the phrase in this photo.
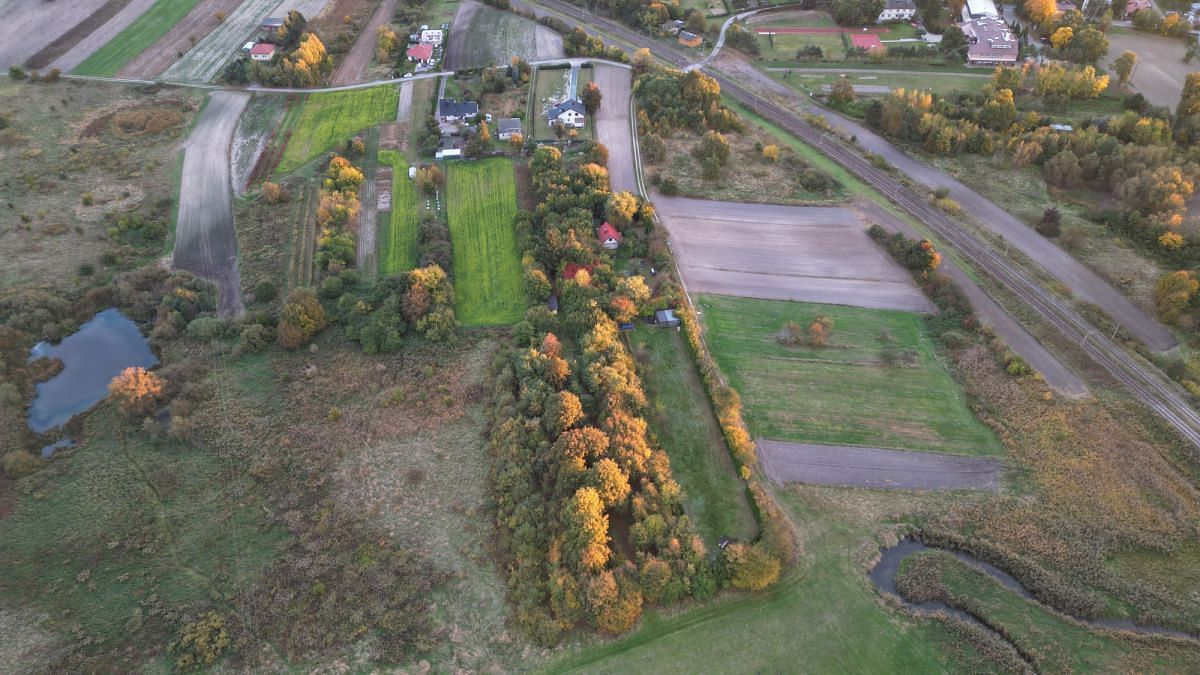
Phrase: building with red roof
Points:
(572, 269)
(422, 53)
(609, 236)
(263, 51)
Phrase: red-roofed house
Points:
(609, 236)
(262, 51)
(422, 53)
(572, 269)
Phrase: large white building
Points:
(990, 42)
(897, 10)
(977, 9)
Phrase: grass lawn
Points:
(784, 46)
(841, 394)
(823, 618)
(139, 35)
(398, 237)
(681, 418)
(487, 265)
(1059, 645)
(327, 120)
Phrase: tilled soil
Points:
(354, 64)
(613, 125)
(809, 254)
(876, 467)
(83, 29)
(205, 240)
(28, 26)
(159, 56)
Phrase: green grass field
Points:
(681, 418)
(398, 238)
(327, 120)
(841, 394)
(143, 32)
(941, 83)
(487, 265)
(822, 618)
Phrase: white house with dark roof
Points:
(452, 110)
(570, 114)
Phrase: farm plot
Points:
(259, 120)
(29, 26)
(484, 36)
(487, 263)
(329, 119)
(139, 35)
(159, 56)
(397, 250)
(204, 61)
(877, 382)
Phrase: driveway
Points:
(808, 254)
(613, 124)
(205, 239)
(876, 467)
(1060, 378)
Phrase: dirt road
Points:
(197, 24)
(27, 26)
(1058, 376)
(101, 35)
(613, 125)
(809, 254)
(205, 240)
(354, 63)
(1160, 69)
(876, 467)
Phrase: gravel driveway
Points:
(612, 124)
(876, 467)
(205, 240)
(809, 254)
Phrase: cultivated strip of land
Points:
(140, 31)
(811, 254)
(613, 127)
(183, 35)
(28, 26)
(354, 63)
(70, 40)
(876, 467)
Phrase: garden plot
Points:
(204, 62)
(814, 254)
(397, 243)
(487, 263)
(260, 118)
(484, 36)
(27, 26)
(328, 119)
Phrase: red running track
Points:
(829, 29)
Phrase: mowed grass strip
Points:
(681, 418)
(841, 394)
(327, 120)
(487, 263)
(137, 36)
(397, 244)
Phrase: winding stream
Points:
(883, 575)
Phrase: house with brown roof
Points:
(263, 51)
(689, 39)
(990, 42)
(421, 53)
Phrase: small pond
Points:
(91, 358)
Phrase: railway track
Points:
(1146, 382)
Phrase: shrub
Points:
(752, 567)
(207, 329)
(265, 291)
(19, 463)
(136, 391)
(201, 642)
(257, 337)
(16, 72)
(1050, 224)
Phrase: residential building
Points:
(452, 110)
(990, 42)
(433, 37)
(977, 9)
(421, 53)
(270, 24)
(665, 318)
(263, 51)
(897, 10)
(689, 39)
(609, 236)
(506, 127)
(570, 114)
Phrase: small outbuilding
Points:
(665, 318)
(609, 236)
(689, 39)
(263, 51)
(271, 23)
(506, 127)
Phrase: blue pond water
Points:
(91, 357)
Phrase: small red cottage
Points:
(262, 51)
(609, 236)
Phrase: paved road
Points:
(205, 239)
(613, 124)
(355, 63)
(804, 253)
(876, 467)
(1060, 378)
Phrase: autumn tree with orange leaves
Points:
(137, 391)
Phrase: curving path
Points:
(205, 239)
